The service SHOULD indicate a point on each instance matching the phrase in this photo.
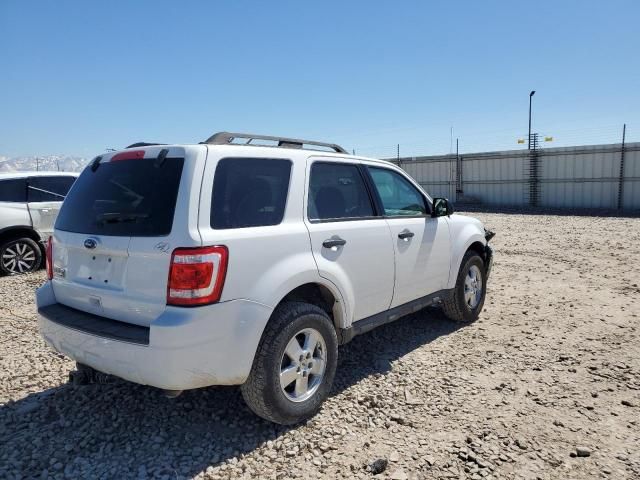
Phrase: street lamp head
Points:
(532, 93)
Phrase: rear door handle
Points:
(405, 235)
(333, 242)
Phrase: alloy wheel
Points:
(19, 257)
(303, 365)
(473, 287)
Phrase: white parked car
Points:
(184, 266)
(29, 204)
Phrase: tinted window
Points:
(123, 198)
(14, 190)
(49, 189)
(398, 195)
(249, 192)
(337, 190)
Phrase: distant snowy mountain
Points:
(60, 163)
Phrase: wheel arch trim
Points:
(32, 233)
(339, 306)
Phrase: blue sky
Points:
(77, 77)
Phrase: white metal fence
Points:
(593, 176)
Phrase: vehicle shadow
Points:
(125, 430)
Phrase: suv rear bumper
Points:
(184, 348)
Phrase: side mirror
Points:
(442, 207)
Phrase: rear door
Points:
(351, 245)
(117, 229)
(45, 196)
(421, 242)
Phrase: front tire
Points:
(467, 298)
(294, 366)
(19, 255)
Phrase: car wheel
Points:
(294, 366)
(466, 301)
(20, 255)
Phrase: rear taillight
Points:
(196, 275)
(49, 258)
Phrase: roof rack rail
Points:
(225, 138)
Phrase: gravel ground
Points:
(545, 385)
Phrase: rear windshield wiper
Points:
(117, 217)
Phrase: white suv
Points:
(29, 204)
(184, 266)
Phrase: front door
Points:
(421, 242)
(352, 246)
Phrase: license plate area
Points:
(98, 270)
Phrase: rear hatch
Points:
(117, 228)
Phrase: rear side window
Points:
(49, 189)
(14, 190)
(337, 191)
(249, 192)
(123, 198)
(399, 197)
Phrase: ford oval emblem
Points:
(90, 243)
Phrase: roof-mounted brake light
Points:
(132, 155)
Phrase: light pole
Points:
(530, 97)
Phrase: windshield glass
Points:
(123, 198)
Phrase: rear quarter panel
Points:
(265, 263)
(43, 217)
(14, 214)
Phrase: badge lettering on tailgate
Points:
(162, 247)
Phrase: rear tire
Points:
(466, 301)
(294, 366)
(19, 255)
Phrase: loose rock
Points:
(378, 466)
(583, 452)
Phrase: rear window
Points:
(49, 189)
(124, 198)
(14, 190)
(249, 192)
